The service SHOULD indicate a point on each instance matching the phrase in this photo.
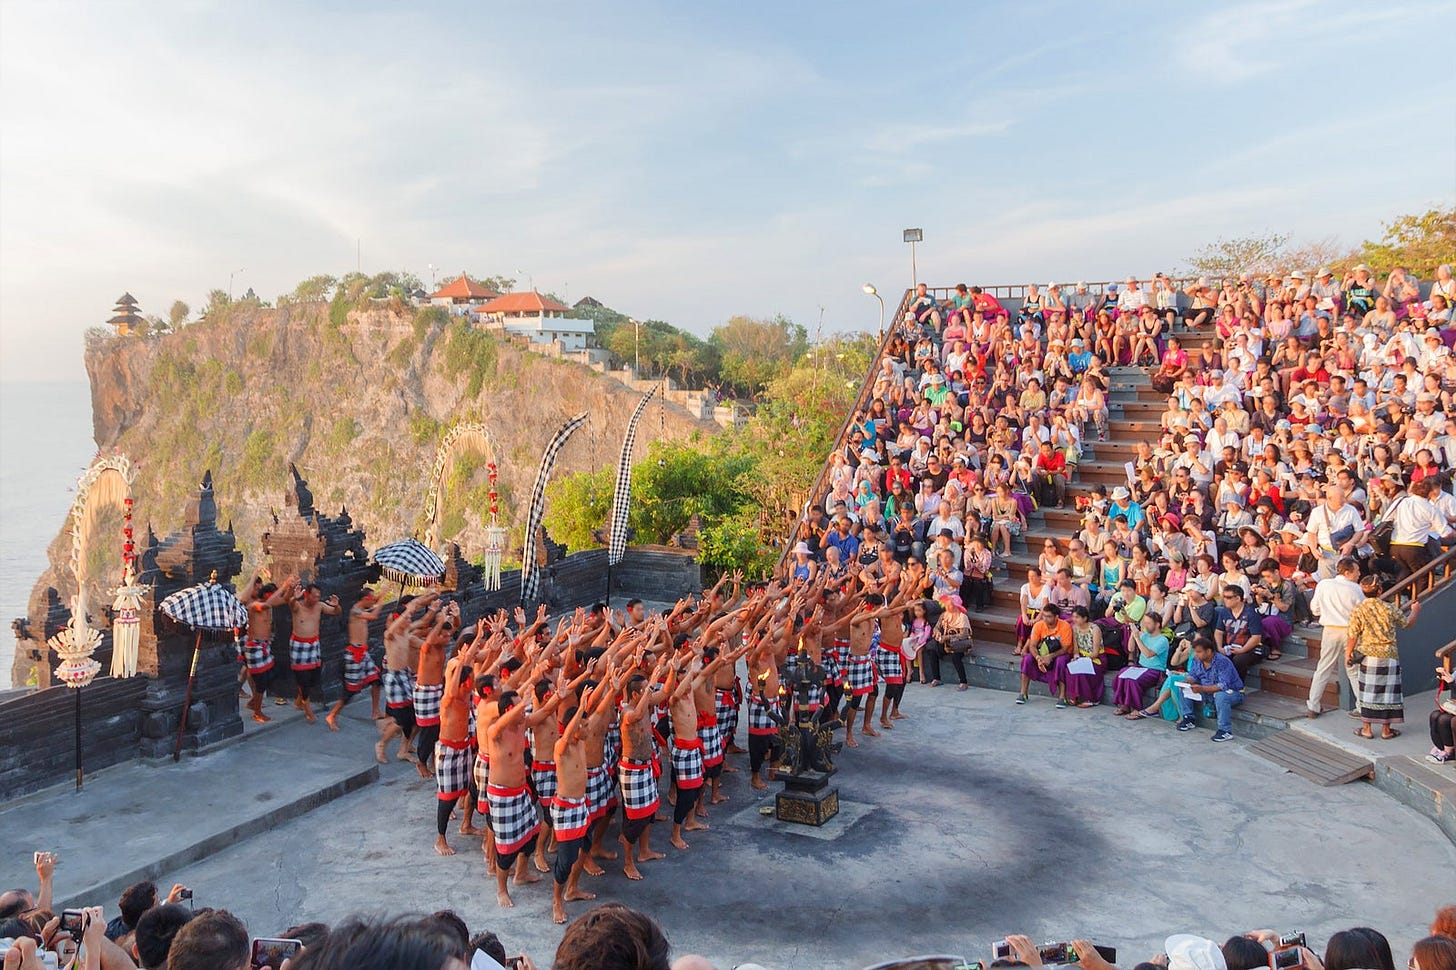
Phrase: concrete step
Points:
(1106, 472)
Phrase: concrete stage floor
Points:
(972, 819)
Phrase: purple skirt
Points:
(1129, 692)
(1082, 687)
(1051, 676)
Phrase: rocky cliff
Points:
(358, 402)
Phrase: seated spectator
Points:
(1213, 677)
(612, 937)
(155, 930)
(212, 940)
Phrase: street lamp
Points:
(913, 236)
(869, 288)
(230, 283)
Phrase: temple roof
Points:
(463, 288)
(529, 302)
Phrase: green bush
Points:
(471, 352)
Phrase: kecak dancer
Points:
(360, 670)
(635, 771)
(260, 598)
(891, 659)
(304, 655)
(570, 807)
(430, 686)
(400, 658)
(455, 748)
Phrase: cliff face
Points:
(358, 402)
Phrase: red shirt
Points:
(1054, 464)
(988, 304)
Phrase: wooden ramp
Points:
(1309, 757)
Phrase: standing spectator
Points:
(1333, 601)
(1372, 646)
(1335, 530)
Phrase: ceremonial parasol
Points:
(75, 644)
(207, 608)
(409, 562)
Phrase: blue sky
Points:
(686, 162)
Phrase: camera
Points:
(269, 954)
(1285, 958)
(73, 921)
(185, 894)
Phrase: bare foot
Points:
(471, 830)
(540, 863)
(897, 716)
(261, 718)
(578, 895)
(870, 732)
(886, 724)
(558, 912)
(310, 718)
(379, 755)
(591, 868)
(693, 825)
(442, 847)
(851, 742)
(524, 877)
(659, 817)
(677, 842)
(650, 855)
(332, 722)
(718, 799)
(729, 769)
(424, 772)
(405, 754)
(603, 852)
(630, 871)
(503, 899)
(735, 749)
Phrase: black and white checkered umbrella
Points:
(206, 606)
(409, 562)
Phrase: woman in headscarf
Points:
(1371, 647)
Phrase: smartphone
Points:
(1051, 953)
(1286, 958)
(73, 921)
(269, 954)
(1290, 939)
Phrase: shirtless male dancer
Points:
(689, 761)
(304, 655)
(571, 808)
(600, 771)
(891, 660)
(860, 676)
(360, 671)
(399, 682)
(260, 598)
(639, 783)
(430, 684)
(455, 749)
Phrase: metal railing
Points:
(1428, 579)
(861, 402)
(1017, 291)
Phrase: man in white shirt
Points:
(1414, 520)
(1132, 298)
(1331, 604)
(1336, 530)
(1219, 391)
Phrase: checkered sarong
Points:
(687, 762)
(452, 768)
(836, 660)
(890, 664)
(1380, 695)
(861, 679)
(481, 771)
(570, 818)
(726, 704)
(399, 688)
(513, 817)
(258, 655)
(427, 703)
(304, 654)
(360, 670)
(543, 779)
(600, 791)
(761, 715)
(712, 737)
(639, 788)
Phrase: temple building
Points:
(463, 292)
(538, 317)
(126, 317)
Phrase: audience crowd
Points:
(1301, 465)
(160, 933)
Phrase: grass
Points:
(470, 352)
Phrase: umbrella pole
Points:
(608, 599)
(187, 700)
(78, 739)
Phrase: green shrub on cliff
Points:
(471, 352)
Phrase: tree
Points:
(498, 284)
(1418, 243)
(1244, 254)
(578, 504)
(315, 289)
(217, 302)
(755, 351)
(177, 315)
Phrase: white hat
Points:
(1359, 267)
(1296, 275)
(870, 455)
(1188, 952)
(1119, 493)
(1323, 271)
(803, 547)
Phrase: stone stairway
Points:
(1276, 689)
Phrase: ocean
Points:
(45, 445)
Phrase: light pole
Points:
(913, 236)
(230, 283)
(433, 269)
(636, 350)
(870, 289)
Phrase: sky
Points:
(687, 162)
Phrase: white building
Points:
(538, 317)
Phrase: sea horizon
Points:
(45, 445)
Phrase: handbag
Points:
(1049, 646)
(958, 645)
